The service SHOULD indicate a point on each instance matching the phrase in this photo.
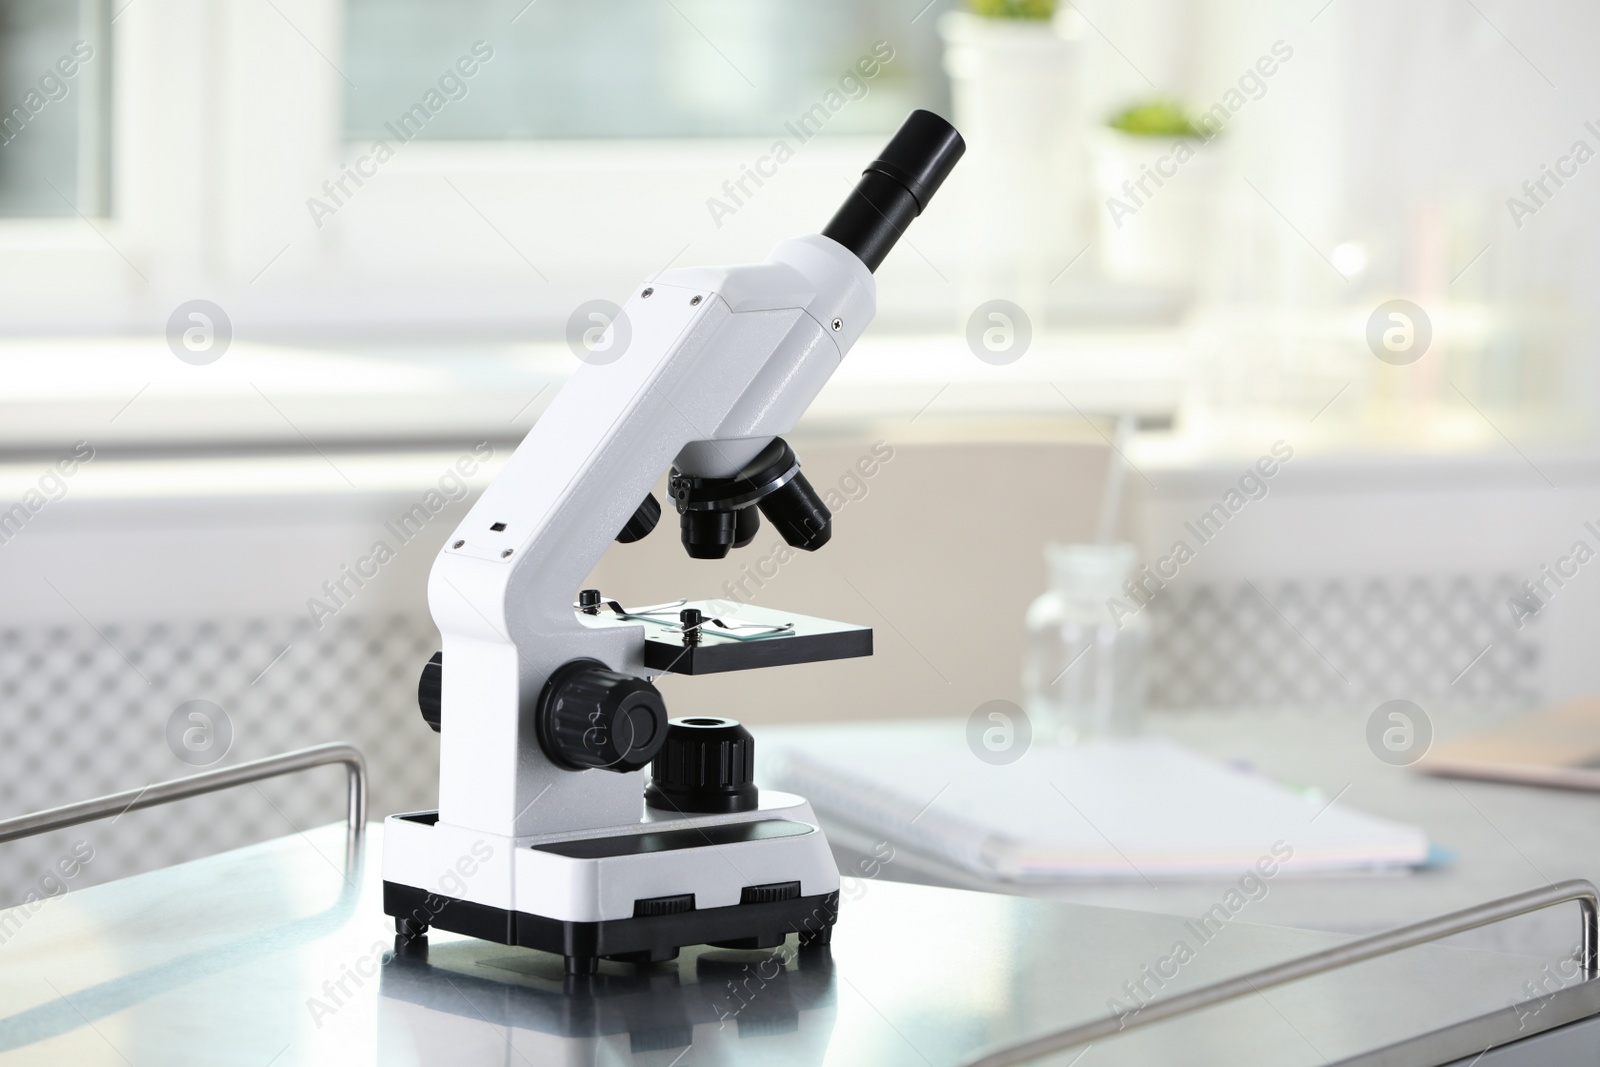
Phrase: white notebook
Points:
(1139, 809)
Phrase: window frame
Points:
(214, 163)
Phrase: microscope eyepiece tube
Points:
(896, 187)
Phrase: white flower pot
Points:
(1016, 104)
(1155, 200)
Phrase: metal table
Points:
(276, 954)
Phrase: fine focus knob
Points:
(430, 691)
(707, 765)
(592, 717)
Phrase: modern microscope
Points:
(548, 833)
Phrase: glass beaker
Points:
(1083, 673)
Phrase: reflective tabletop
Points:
(274, 954)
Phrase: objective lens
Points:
(798, 514)
(746, 526)
(708, 534)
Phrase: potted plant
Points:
(1154, 170)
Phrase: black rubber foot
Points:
(411, 948)
(581, 966)
(771, 939)
(656, 955)
(823, 936)
(409, 928)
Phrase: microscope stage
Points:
(737, 637)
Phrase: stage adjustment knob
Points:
(592, 717)
(707, 765)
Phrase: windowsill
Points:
(131, 394)
(303, 476)
(68, 233)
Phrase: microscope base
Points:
(644, 939)
(634, 893)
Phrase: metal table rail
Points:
(210, 782)
(1366, 948)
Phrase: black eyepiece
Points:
(920, 155)
(896, 187)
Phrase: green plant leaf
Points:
(1155, 118)
(1014, 9)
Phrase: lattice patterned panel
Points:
(1339, 641)
(83, 712)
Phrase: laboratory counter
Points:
(280, 954)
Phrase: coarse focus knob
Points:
(706, 765)
(430, 691)
(590, 716)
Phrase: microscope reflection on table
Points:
(433, 1003)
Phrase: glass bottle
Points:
(1083, 675)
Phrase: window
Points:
(54, 137)
(566, 69)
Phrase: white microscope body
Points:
(543, 836)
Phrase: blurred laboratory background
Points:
(1306, 287)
